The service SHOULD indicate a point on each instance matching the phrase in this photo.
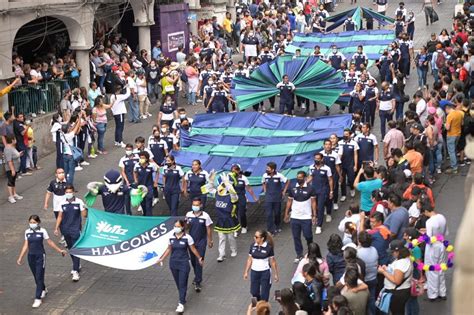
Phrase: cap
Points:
(418, 127)
(396, 245)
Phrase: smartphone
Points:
(277, 295)
(254, 302)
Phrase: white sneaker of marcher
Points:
(75, 276)
(180, 308)
(36, 303)
(233, 254)
(328, 218)
(343, 198)
(353, 192)
(44, 293)
(11, 199)
(123, 145)
(149, 115)
(220, 259)
(18, 197)
(236, 234)
(139, 209)
(335, 206)
(318, 230)
(155, 201)
(244, 231)
(85, 163)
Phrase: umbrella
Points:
(312, 78)
(357, 14)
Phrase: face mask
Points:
(177, 230)
(60, 119)
(164, 130)
(317, 162)
(33, 226)
(182, 116)
(269, 172)
(334, 50)
(128, 152)
(210, 82)
(185, 127)
(196, 208)
(346, 138)
(169, 164)
(68, 195)
(157, 136)
(142, 161)
(300, 181)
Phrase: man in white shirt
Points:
(133, 115)
(421, 107)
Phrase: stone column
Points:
(144, 37)
(82, 61)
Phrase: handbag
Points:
(434, 16)
(417, 287)
(76, 152)
(169, 88)
(383, 301)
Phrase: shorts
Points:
(11, 179)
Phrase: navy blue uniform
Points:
(159, 149)
(219, 102)
(260, 270)
(37, 256)
(58, 189)
(127, 163)
(172, 187)
(336, 59)
(366, 147)
(320, 182)
(71, 225)
(195, 181)
(347, 164)
(370, 105)
(274, 185)
(240, 188)
(116, 202)
(145, 176)
(349, 25)
(359, 60)
(287, 97)
(333, 160)
(179, 263)
(197, 225)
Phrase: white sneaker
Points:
(328, 218)
(85, 163)
(78, 168)
(335, 206)
(220, 259)
(236, 234)
(155, 201)
(44, 293)
(243, 231)
(318, 230)
(11, 199)
(62, 241)
(75, 276)
(36, 303)
(116, 144)
(18, 197)
(123, 145)
(438, 171)
(233, 254)
(353, 192)
(149, 115)
(180, 308)
(343, 198)
(144, 117)
(140, 209)
(92, 156)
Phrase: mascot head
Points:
(113, 180)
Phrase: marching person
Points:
(302, 205)
(193, 180)
(70, 222)
(146, 173)
(349, 158)
(227, 222)
(322, 181)
(435, 253)
(34, 237)
(287, 95)
(172, 187)
(260, 263)
(56, 188)
(333, 160)
(179, 246)
(368, 145)
(242, 187)
(274, 186)
(157, 146)
(385, 105)
(127, 164)
(199, 223)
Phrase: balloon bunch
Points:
(417, 263)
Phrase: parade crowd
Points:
(383, 185)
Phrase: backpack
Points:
(184, 77)
(440, 60)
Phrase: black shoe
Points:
(443, 298)
(197, 287)
(306, 112)
(431, 300)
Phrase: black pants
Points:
(398, 301)
(36, 263)
(119, 125)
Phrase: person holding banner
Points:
(143, 174)
(199, 223)
(70, 221)
(179, 246)
(34, 237)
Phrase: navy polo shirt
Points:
(274, 186)
(196, 180)
(198, 225)
(145, 174)
(158, 147)
(286, 92)
(72, 221)
(179, 248)
(301, 205)
(348, 148)
(320, 178)
(127, 163)
(366, 146)
(173, 178)
(35, 240)
(260, 256)
(242, 183)
(57, 188)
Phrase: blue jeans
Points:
(412, 307)
(192, 98)
(372, 288)
(451, 144)
(298, 226)
(385, 116)
(133, 114)
(153, 91)
(435, 75)
(422, 72)
(101, 129)
(69, 168)
(439, 154)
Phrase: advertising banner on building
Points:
(122, 241)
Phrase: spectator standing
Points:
(133, 114)
(142, 93)
(12, 166)
(153, 80)
(394, 139)
(453, 125)
(100, 118)
(93, 93)
(68, 133)
(156, 51)
(398, 219)
(119, 110)
(367, 187)
(19, 130)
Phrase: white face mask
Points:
(128, 152)
(182, 116)
(177, 229)
(33, 226)
(164, 130)
(68, 195)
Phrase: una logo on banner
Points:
(104, 226)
